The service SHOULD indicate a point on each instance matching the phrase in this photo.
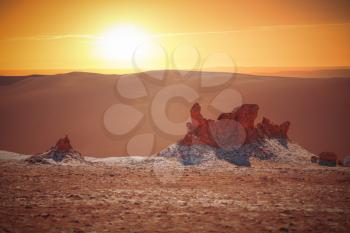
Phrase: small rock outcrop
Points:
(328, 159)
(61, 152)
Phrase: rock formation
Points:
(63, 144)
(61, 152)
(235, 138)
(268, 129)
(328, 159)
(210, 132)
(198, 129)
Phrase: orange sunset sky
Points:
(102, 35)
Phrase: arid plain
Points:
(148, 197)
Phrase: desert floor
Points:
(148, 198)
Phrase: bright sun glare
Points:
(120, 42)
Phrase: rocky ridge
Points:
(235, 138)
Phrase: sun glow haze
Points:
(40, 36)
(120, 42)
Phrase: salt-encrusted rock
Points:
(233, 137)
(62, 152)
(189, 155)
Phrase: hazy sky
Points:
(63, 34)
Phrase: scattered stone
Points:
(283, 229)
(44, 215)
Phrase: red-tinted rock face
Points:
(63, 144)
(245, 115)
(61, 152)
(198, 130)
(328, 157)
(271, 130)
(205, 131)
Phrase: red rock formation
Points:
(63, 144)
(328, 157)
(200, 131)
(61, 152)
(271, 130)
(245, 115)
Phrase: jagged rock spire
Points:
(200, 130)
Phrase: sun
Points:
(120, 42)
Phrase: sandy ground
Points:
(151, 197)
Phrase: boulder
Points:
(328, 159)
